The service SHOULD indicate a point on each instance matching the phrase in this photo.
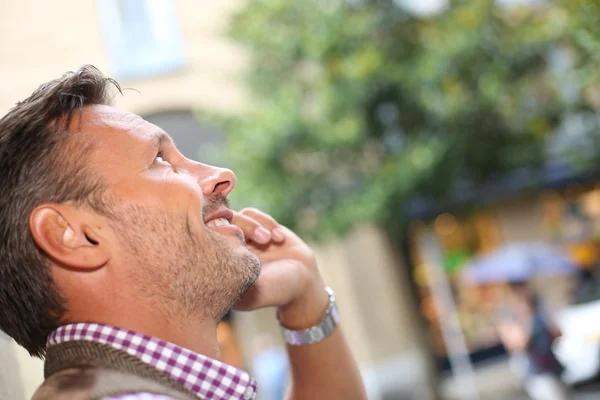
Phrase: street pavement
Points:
(589, 392)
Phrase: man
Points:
(120, 256)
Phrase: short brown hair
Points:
(40, 163)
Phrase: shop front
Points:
(566, 219)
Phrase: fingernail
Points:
(277, 234)
(261, 235)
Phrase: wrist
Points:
(307, 310)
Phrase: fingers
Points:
(252, 229)
(276, 233)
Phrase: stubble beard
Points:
(184, 275)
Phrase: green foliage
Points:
(361, 105)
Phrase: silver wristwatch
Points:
(317, 332)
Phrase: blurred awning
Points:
(555, 174)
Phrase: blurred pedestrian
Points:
(528, 333)
(270, 367)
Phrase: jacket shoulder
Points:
(94, 383)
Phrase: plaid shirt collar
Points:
(209, 379)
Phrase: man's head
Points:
(103, 220)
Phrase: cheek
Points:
(184, 196)
(189, 197)
(169, 192)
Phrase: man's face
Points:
(168, 218)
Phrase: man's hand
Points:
(290, 279)
(291, 282)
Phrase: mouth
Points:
(219, 218)
(220, 223)
(217, 222)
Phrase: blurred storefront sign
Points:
(458, 240)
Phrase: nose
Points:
(216, 181)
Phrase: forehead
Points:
(109, 124)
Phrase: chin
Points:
(252, 268)
(253, 264)
(249, 268)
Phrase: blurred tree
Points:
(360, 105)
(586, 37)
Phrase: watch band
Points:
(318, 332)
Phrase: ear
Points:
(70, 236)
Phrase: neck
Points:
(198, 336)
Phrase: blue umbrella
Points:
(519, 262)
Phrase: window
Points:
(193, 138)
(142, 37)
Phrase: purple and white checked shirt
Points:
(209, 379)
